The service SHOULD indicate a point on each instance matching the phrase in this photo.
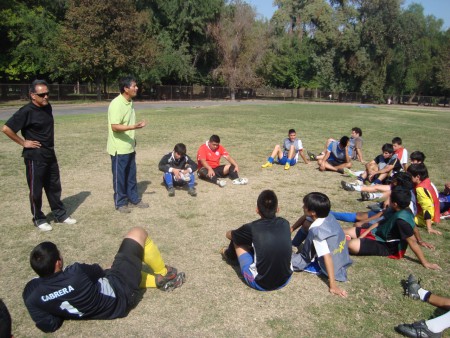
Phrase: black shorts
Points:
(370, 246)
(334, 163)
(125, 273)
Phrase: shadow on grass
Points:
(142, 187)
(72, 203)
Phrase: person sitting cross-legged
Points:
(337, 156)
(86, 291)
(288, 155)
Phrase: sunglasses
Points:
(42, 94)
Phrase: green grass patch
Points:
(190, 231)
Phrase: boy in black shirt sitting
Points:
(263, 247)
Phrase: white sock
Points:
(439, 324)
(377, 195)
(357, 188)
(422, 292)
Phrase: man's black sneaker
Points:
(416, 330)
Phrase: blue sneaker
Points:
(313, 268)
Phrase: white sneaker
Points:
(69, 220)
(221, 183)
(240, 181)
(45, 227)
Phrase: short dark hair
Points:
(43, 258)
(36, 83)
(291, 131)
(343, 141)
(417, 156)
(214, 138)
(125, 82)
(180, 148)
(387, 147)
(403, 179)
(317, 202)
(401, 196)
(5, 320)
(267, 204)
(397, 140)
(357, 130)
(418, 169)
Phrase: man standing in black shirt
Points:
(35, 121)
(86, 291)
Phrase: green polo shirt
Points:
(121, 111)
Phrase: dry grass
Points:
(189, 231)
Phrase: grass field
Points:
(215, 302)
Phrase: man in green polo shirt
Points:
(121, 146)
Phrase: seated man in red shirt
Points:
(209, 168)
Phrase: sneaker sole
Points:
(179, 280)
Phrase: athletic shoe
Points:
(347, 186)
(367, 196)
(313, 268)
(416, 330)
(69, 220)
(192, 192)
(44, 227)
(267, 165)
(174, 283)
(221, 183)
(124, 209)
(350, 173)
(445, 215)
(412, 287)
(312, 157)
(161, 280)
(171, 191)
(140, 205)
(240, 181)
(287, 166)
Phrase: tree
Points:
(443, 65)
(99, 39)
(180, 27)
(28, 40)
(241, 43)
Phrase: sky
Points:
(438, 8)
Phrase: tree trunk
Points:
(98, 87)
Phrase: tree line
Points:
(374, 47)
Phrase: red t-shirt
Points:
(212, 158)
